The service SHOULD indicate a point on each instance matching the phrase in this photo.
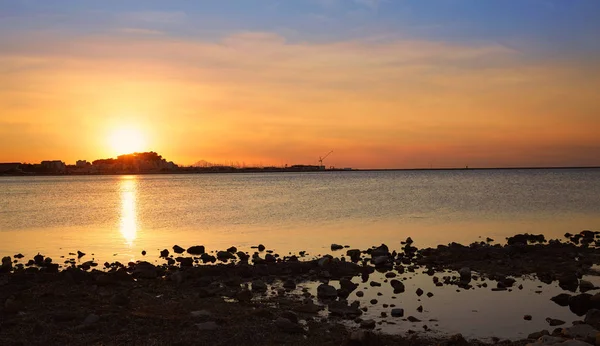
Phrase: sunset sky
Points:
(384, 84)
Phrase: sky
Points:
(382, 83)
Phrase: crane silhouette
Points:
(323, 158)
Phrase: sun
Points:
(127, 141)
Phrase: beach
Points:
(202, 296)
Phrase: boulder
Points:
(185, 261)
(380, 260)
(561, 299)
(325, 291)
(380, 251)
(164, 253)
(465, 274)
(585, 286)
(206, 258)
(178, 249)
(225, 255)
(580, 331)
(232, 249)
(580, 304)
(335, 247)
(354, 255)
(592, 317)
(554, 322)
(144, 270)
(342, 309)
(289, 284)
(397, 312)
(397, 285)
(196, 250)
(259, 286)
(243, 256)
(367, 324)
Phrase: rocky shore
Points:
(191, 296)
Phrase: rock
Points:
(419, 292)
(232, 249)
(554, 322)
(580, 304)
(592, 318)
(561, 299)
(342, 309)
(19, 256)
(360, 293)
(547, 340)
(380, 260)
(143, 252)
(244, 296)
(325, 261)
(144, 270)
(413, 319)
(309, 307)
(243, 256)
(290, 315)
(397, 285)
(259, 286)
(195, 250)
(580, 331)
(38, 259)
(80, 254)
(178, 249)
(225, 255)
(390, 275)
(207, 326)
(164, 253)
(538, 335)
(585, 286)
(380, 251)
(288, 326)
(270, 258)
(6, 264)
(397, 312)
(289, 284)
(206, 258)
(348, 285)
(420, 308)
(367, 324)
(568, 281)
(429, 294)
(354, 255)
(185, 261)
(465, 274)
(325, 291)
(261, 247)
(374, 284)
(373, 301)
(335, 247)
(527, 317)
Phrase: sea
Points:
(116, 217)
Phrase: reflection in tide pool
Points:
(128, 225)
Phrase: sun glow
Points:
(127, 141)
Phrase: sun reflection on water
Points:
(128, 208)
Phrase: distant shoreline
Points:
(255, 171)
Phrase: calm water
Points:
(116, 217)
(291, 212)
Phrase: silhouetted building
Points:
(9, 167)
(54, 166)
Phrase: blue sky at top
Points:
(553, 25)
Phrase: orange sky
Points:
(258, 98)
